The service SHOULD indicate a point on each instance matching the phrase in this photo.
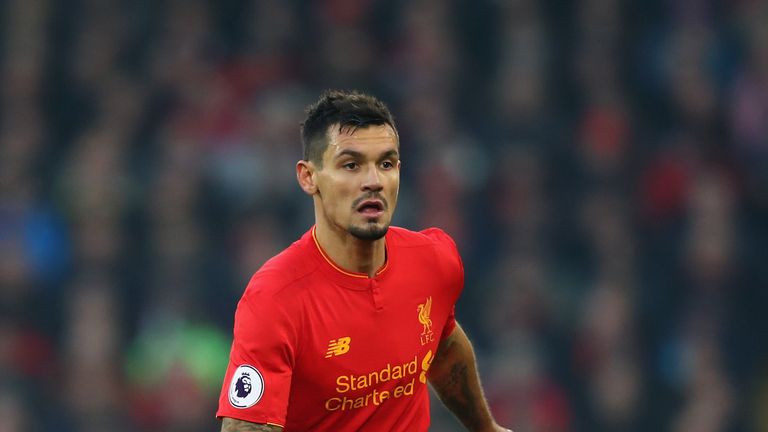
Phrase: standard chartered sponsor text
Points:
(356, 383)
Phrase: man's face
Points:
(359, 181)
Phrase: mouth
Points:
(371, 208)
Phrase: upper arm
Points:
(234, 425)
(257, 382)
(453, 353)
(447, 342)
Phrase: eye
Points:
(387, 164)
(349, 166)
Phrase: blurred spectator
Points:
(16, 417)
(93, 387)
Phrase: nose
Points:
(372, 181)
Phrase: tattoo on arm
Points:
(234, 425)
(460, 399)
(454, 377)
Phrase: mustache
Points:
(370, 196)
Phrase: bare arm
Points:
(234, 425)
(453, 375)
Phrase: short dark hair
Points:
(348, 109)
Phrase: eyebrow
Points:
(390, 153)
(358, 155)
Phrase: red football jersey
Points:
(318, 348)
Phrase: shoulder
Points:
(431, 243)
(432, 238)
(283, 274)
(270, 308)
(429, 237)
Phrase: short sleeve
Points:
(450, 324)
(257, 382)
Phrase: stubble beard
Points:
(369, 232)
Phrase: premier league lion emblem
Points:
(246, 387)
(243, 385)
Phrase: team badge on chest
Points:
(424, 311)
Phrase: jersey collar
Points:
(346, 273)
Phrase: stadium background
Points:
(603, 165)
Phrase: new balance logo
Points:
(337, 347)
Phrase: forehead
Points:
(375, 137)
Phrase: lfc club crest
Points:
(424, 310)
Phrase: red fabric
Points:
(299, 303)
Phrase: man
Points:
(343, 329)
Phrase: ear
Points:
(305, 174)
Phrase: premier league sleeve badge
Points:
(246, 387)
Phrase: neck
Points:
(351, 253)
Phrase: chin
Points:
(370, 231)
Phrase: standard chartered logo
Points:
(425, 364)
(360, 391)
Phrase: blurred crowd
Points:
(602, 164)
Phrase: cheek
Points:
(395, 185)
(337, 193)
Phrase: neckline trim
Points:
(341, 270)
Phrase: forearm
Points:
(234, 425)
(453, 375)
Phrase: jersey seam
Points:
(298, 346)
(296, 342)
